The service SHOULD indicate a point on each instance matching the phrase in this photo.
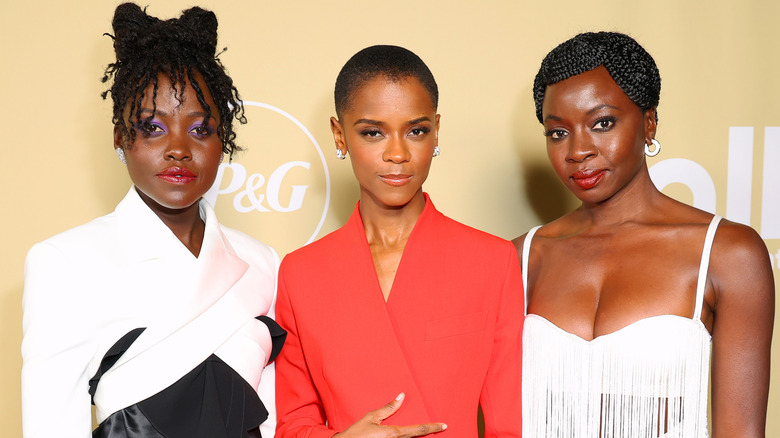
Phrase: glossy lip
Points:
(588, 178)
(177, 175)
(395, 179)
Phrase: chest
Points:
(386, 260)
(595, 285)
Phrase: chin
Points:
(175, 203)
(593, 198)
(394, 201)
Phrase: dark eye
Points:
(555, 134)
(202, 130)
(149, 129)
(419, 132)
(371, 133)
(604, 124)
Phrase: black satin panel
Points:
(129, 422)
(278, 335)
(211, 401)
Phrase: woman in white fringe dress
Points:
(630, 296)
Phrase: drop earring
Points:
(436, 151)
(656, 148)
(121, 154)
(340, 154)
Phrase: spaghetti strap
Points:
(526, 252)
(704, 266)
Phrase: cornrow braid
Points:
(629, 64)
(183, 48)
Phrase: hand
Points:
(370, 426)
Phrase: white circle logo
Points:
(280, 186)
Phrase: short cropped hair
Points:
(182, 48)
(393, 62)
(629, 64)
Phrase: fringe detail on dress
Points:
(647, 380)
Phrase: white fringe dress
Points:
(646, 380)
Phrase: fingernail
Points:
(443, 426)
(400, 397)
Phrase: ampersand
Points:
(253, 182)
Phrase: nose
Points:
(396, 150)
(178, 148)
(581, 147)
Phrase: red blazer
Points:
(449, 335)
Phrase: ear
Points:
(650, 124)
(338, 134)
(436, 129)
(119, 137)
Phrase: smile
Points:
(396, 180)
(587, 179)
(177, 175)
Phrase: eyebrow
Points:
(164, 114)
(589, 112)
(377, 122)
(599, 107)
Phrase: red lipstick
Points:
(177, 175)
(588, 178)
(395, 179)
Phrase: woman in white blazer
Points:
(156, 313)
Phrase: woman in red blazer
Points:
(401, 303)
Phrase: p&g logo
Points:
(278, 190)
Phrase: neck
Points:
(185, 223)
(637, 202)
(387, 226)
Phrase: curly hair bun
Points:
(138, 34)
(129, 24)
(203, 25)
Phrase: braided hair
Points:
(631, 67)
(392, 62)
(184, 48)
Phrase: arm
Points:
(267, 387)
(55, 351)
(501, 399)
(267, 393)
(742, 279)
(300, 412)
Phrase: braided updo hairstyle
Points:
(393, 62)
(631, 67)
(182, 48)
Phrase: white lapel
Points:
(211, 312)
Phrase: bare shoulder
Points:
(518, 242)
(736, 242)
(740, 261)
(556, 228)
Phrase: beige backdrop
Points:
(718, 60)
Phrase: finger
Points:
(421, 429)
(387, 410)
